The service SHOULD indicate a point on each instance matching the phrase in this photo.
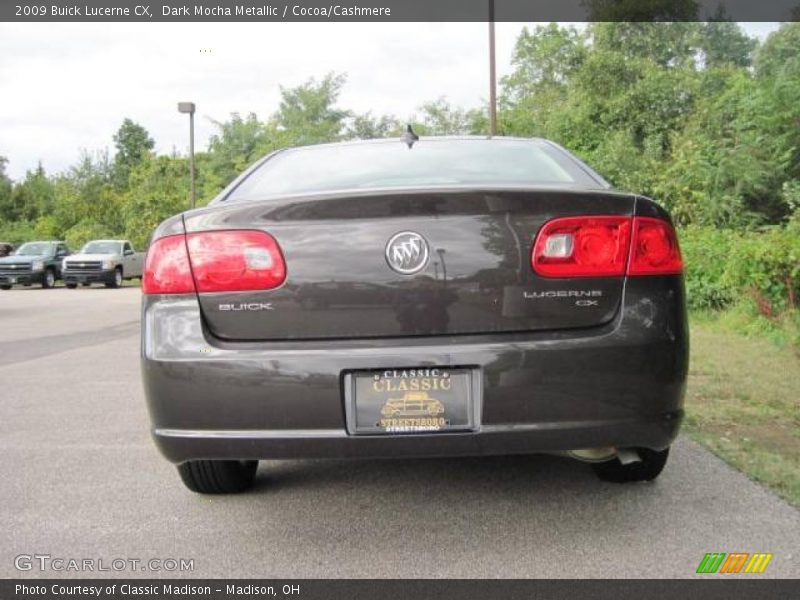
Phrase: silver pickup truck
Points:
(103, 261)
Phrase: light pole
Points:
(492, 75)
(188, 107)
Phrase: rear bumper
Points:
(182, 445)
(96, 277)
(620, 384)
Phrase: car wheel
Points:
(117, 282)
(49, 279)
(71, 286)
(218, 476)
(647, 469)
(5, 287)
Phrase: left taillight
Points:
(214, 261)
(235, 261)
(166, 268)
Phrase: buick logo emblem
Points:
(407, 252)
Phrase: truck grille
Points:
(88, 266)
(15, 269)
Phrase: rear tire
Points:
(650, 467)
(71, 286)
(218, 476)
(5, 287)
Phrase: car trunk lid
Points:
(476, 278)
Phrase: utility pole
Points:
(492, 74)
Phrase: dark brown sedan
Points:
(307, 310)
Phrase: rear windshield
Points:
(429, 163)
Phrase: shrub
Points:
(725, 266)
(766, 266)
(706, 252)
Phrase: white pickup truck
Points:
(102, 261)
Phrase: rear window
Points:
(430, 163)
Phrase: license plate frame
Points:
(443, 400)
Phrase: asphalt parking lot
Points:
(82, 479)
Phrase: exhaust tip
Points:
(593, 454)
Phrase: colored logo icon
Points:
(733, 563)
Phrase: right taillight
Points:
(654, 248)
(214, 261)
(606, 246)
(592, 246)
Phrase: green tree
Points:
(730, 161)
(133, 144)
(532, 96)
(159, 188)
(367, 127)
(442, 118)
(307, 113)
(7, 212)
(546, 56)
(237, 144)
(725, 43)
(666, 44)
(83, 192)
(31, 197)
(778, 53)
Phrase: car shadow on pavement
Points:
(515, 471)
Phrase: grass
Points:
(743, 403)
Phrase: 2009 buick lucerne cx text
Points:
(415, 297)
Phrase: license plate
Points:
(412, 400)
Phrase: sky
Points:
(66, 87)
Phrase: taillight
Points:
(654, 250)
(235, 261)
(582, 247)
(166, 269)
(214, 261)
(599, 246)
